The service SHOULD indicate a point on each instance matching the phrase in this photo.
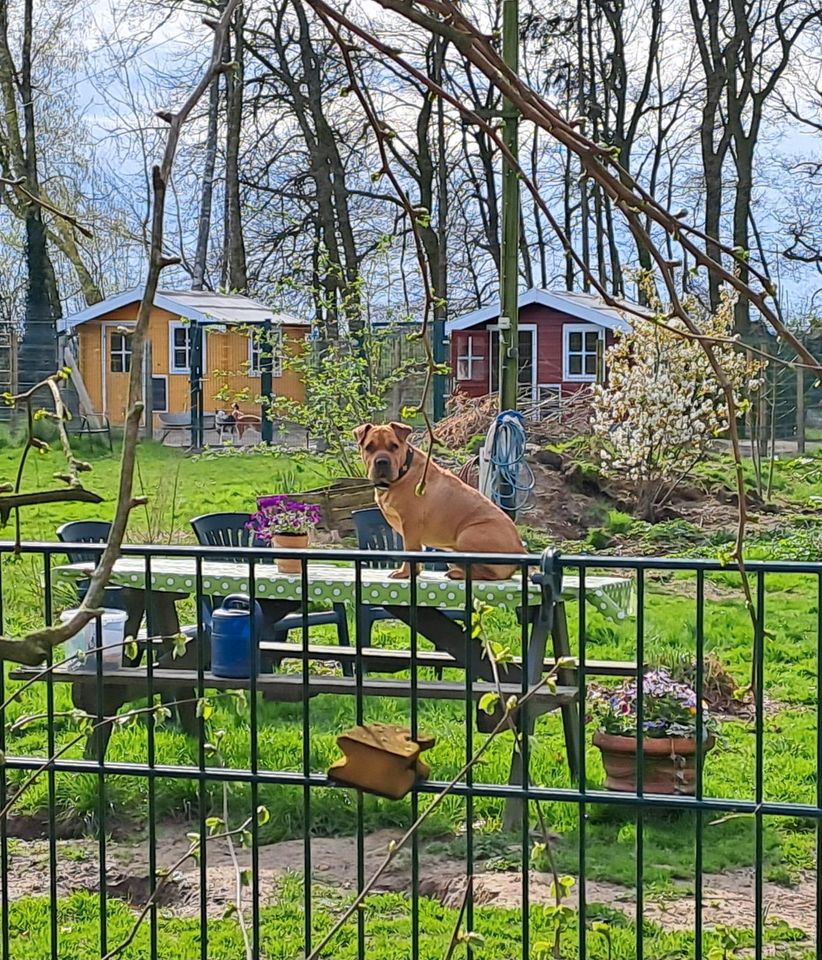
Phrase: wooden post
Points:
(83, 397)
(800, 409)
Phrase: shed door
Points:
(527, 340)
(117, 362)
(470, 356)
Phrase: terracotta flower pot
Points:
(669, 764)
(290, 541)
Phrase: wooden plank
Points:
(400, 659)
(86, 406)
(389, 660)
(289, 685)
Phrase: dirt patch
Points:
(561, 508)
(727, 898)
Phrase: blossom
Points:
(282, 515)
(663, 405)
(669, 707)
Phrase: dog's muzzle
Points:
(381, 471)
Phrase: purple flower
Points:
(281, 515)
(668, 707)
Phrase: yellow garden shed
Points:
(199, 342)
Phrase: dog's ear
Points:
(402, 430)
(361, 431)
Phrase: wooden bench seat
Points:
(387, 660)
(288, 687)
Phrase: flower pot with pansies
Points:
(669, 746)
(283, 522)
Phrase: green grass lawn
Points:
(183, 487)
(387, 926)
(179, 486)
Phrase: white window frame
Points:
(125, 352)
(276, 354)
(583, 328)
(469, 358)
(172, 366)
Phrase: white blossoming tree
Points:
(662, 405)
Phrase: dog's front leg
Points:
(412, 541)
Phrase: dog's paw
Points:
(404, 573)
(455, 573)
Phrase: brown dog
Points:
(449, 515)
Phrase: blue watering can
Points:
(231, 648)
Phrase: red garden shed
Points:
(559, 336)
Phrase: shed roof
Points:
(583, 306)
(198, 306)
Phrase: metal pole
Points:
(266, 382)
(148, 392)
(441, 311)
(509, 248)
(196, 383)
(800, 410)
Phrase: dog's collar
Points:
(409, 459)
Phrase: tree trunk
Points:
(37, 357)
(742, 212)
(207, 189)
(235, 247)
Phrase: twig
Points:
(32, 649)
(18, 184)
(455, 934)
(395, 846)
(152, 900)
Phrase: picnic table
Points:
(541, 602)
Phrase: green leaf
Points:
(566, 663)
(488, 702)
(161, 713)
(205, 709)
(263, 816)
(179, 649)
(213, 824)
(246, 877)
(131, 649)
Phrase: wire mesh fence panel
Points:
(595, 757)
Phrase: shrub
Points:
(663, 405)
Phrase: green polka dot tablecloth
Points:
(613, 596)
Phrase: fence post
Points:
(800, 409)
(195, 333)
(148, 392)
(266, 382)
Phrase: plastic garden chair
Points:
(230, 530)
(375, 533)
(89, 531)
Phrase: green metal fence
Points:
(42, 739)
